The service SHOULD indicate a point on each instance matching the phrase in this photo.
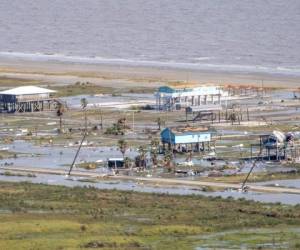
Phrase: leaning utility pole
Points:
(77, 153)
(251, 169)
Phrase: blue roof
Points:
(166, 89)
(186, 135)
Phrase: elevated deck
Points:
(29, 105)
(208, 107)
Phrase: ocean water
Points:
(231, 35)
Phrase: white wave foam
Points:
(295, 71)
(204, 58)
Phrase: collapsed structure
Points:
(26, 99)
(277, 146)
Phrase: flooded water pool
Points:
(57, 156)
(292, 183)
(109, 101)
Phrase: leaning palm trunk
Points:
(85, 121)
(60, 123)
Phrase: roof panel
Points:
(27, 90)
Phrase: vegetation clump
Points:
(118, 128)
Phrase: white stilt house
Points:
(26, 99)
(175, 98)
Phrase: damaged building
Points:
(278, 146)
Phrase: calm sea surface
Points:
(234, 35)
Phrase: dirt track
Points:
(160, 181)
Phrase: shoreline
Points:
(107, 74)
(205, 66)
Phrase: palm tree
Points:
(59, 112)
(127, 162)
(141, 159)
(160, 122)
(154, 151)
(123, 146)
(168, 158)
(101, 119)
(84, 104)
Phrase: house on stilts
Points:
(27, 99)
(187, 139)
(175, 98)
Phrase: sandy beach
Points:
(47, 72)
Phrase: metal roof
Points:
(186, 88)
(115, 159)
(182, 92)
(27, 90)
(190, 130)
